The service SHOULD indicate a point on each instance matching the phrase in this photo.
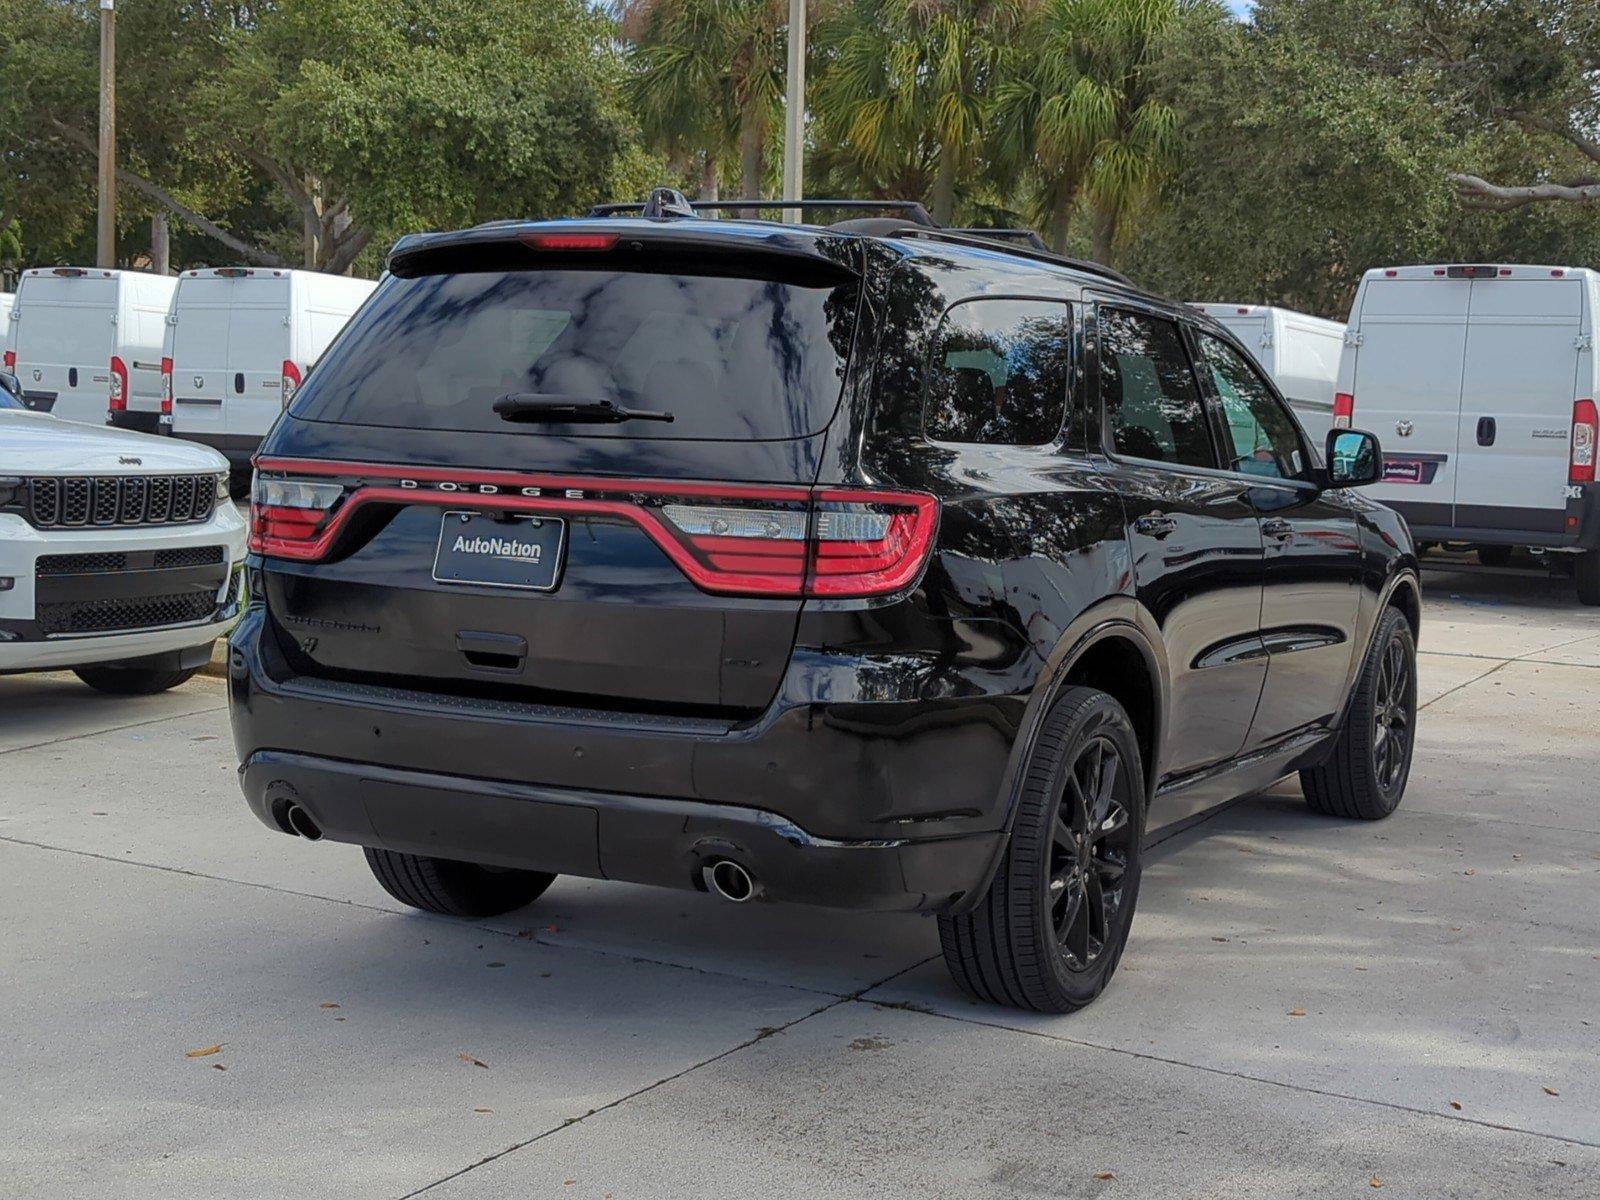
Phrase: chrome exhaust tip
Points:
(300, 822)
(730, 881)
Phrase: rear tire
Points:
(1586, 571)
(132, 681)
(1494, 556)
(1366, 774)
(454, 889)
(1048, 933)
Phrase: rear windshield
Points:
(729, 358)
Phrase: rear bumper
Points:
(888, 802)
(1575, 528)
(635, 839)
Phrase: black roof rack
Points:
(902, 218)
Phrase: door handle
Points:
(1278, 528)
(1156, 525)
(1485, 431)
(492, 651)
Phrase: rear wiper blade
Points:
(545, 406)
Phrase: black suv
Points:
(868, 565)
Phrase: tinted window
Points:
(1263, 437)
(1152, 404)
(999, 373)
(728, 358)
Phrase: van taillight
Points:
(1585, 438)
(166, 387)
(1344, 410)
(291, 381)
(286, 516)
(119, 385)
(11, 360)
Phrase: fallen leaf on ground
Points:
(1470, 871)
(1456, 1104)
(568, 1182)
(1297, 1012)
(1104, 1175)
(1550, 1091)
(1375, 1182)
(327, 1004)
(1214, 938)
(483, 1110)
(869, 1043)
(496, 964)
(218, 1067)
(476, 1062)
(1361, 968)
(204, 1051)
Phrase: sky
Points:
(1240, 8)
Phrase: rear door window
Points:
(1152, 402)
(999, 373)
(729, 357)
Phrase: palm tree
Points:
(707, 77)
(1077, 107)
(905, 84)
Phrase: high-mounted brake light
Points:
(119, 385)
(234, 272)
(1585, 442)
(1344, 410)
(570, 241)
(291, 381)
(69, 272)
(166, 387)
(1472, 272)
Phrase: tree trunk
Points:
(160, 245)
(944, 187)
(311, 229)
(1060, 227)
(710, 180)
(752, 142)
(1103, 235)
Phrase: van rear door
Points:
(64, 342)
(1407, 389)
(200, 357)
(1516, 403)
(258, 345)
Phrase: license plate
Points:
(524, 552)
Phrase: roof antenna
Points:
(665, 203)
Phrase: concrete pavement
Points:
(643, 1043)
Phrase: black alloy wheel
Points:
(1393, 714)
(1089, 853)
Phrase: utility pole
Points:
(106, 228)
(794, 113)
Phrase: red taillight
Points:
(1585, 439)
(729, 540)
(291, 381)
(11, 360)
(1344, 410)
(166, 387)
(570, 241)
(119, 385)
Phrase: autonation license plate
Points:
(524, 552)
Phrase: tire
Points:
(1365, 775)
(1010, 948)
(132, 681)
(1586, 571)
(1494, 556)
(454, 889)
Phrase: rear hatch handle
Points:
(502, 652)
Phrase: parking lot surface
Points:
(1308, 1007)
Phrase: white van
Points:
(1299, 351)
(86, 343)
(1481, 382)
(240, 340)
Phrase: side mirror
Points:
(1354, 458)
(11, 385)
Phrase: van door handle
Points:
(1278, 529)
(1156, 525)
(1485, 431)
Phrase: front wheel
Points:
(1587, 573)
(132, 681)
(454, 889)
(1366, 774)
(1049, 931)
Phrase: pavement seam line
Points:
(78, 737)
(1227, 1074)
(762, 1036)
(445, 922)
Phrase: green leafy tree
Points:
(706, 77)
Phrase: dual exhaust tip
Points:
(299, 822)
(728, 879)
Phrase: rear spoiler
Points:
(698, 248)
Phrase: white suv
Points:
(120, 554)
